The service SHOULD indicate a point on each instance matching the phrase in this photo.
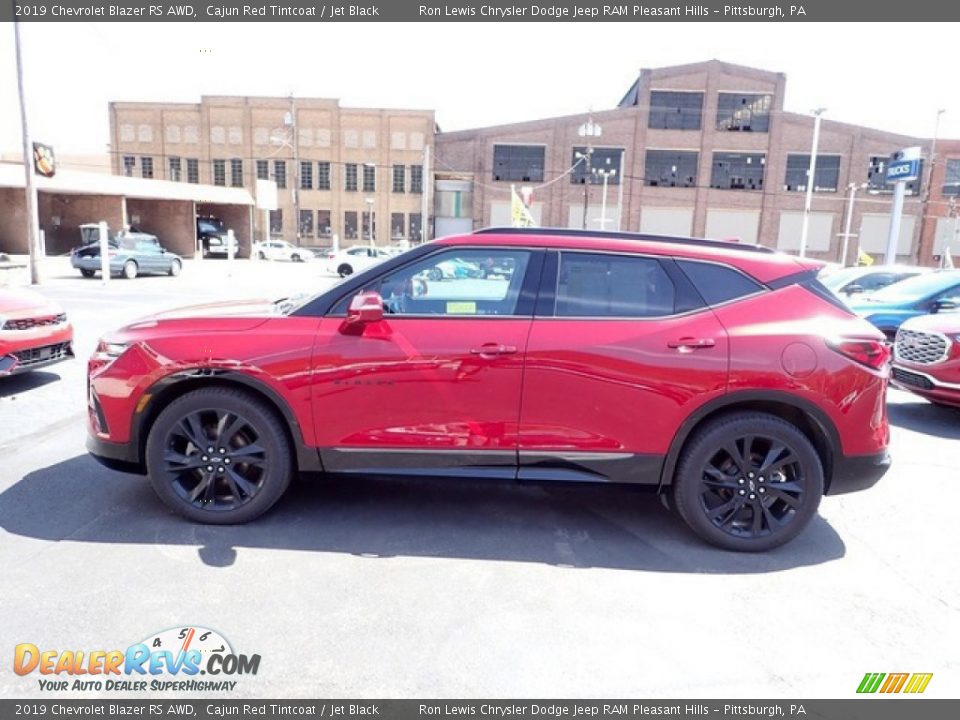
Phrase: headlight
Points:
(104, 355)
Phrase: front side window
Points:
(737, 171)
(600, 285)
(464, 282)
(523, 163)
(675, 110)
(744, 112)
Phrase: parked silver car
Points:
(131, 253)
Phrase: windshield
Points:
(838, 278)
(916, 288)
(210, 225)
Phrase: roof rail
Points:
(574, 232)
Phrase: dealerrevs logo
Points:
(173, 659)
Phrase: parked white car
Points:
(281, 250)
(360, 257)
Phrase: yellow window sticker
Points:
(462, 307)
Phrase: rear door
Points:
(435, 386)
(621, 350)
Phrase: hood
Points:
(866, 306)
(21, 301)
(235, 314)
(946, 323)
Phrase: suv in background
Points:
(213, 238)
(723, 375)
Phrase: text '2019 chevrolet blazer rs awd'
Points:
(723, 374)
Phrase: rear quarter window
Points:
(718, 283)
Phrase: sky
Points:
(472, 74)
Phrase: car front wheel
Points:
(344, 270)
(219, 455)
(129, 269)
(88, 273)
(748, 482)
(175, 268)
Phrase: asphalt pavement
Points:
(433, 588)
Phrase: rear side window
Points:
(717, 283)
(597, 285)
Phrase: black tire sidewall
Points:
(699, 449)
(272, 437)
(344, 270)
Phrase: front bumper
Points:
(857, 472)
(924, 384)
(121, 457)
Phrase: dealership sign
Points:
(904, 165)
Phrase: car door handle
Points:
(494, 349)
(691, 343)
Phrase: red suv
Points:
(724, 375)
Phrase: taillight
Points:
(872, 353)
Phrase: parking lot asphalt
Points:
(430, 588)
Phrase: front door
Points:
(435, 386)
(620, 351)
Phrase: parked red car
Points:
(724, 375)
(34, 332)
(926, 357)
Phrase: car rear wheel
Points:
(261, 255)
(88, 273)
(175, 268)
(344, 270)
(130, 269)
(295, 258)
(748, 482)
(219, 456)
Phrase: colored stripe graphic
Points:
(894, 682)
(870, 682)
(918, 682)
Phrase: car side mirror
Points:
(366, 307)
(853, 289)
(945, 304)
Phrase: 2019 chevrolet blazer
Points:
(722, 374)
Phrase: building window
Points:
(350, 224)
(397, 226)
(306, 223)
(675, 110)
(263, 170)
(416, 234)
(193, 170)
(236, 172)
(146, 167)
(175, 172)
(827, 174)
(670, 168)
(951, 178)
(324, 227)
(350, 177)
(306, 175)
(280, 173)
(323, 176)
(369, 178)
(518, 162)
(276, 222)
(129, 163)
(219, 172)
(737, 171)
(744, 112)
(601, 159)
(877, 177)
(399, 178)
(416, 178)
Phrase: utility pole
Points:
(925, 202)
(425, 195)
(588, 130)
(295, 141)
(33, 224)
(852, 187)
(606, 175)
(811, 178)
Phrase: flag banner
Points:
(863, 258)
(519, 213)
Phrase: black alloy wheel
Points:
(218, 455)
(749, 482)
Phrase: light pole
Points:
(852, 188)
(370, 202)
(32, 219)
(926, 186)
(811, 177)
(606, 175)
(588, 130)
(291, 121)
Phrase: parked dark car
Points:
(213, 237)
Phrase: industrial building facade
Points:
(356, 173)
(704, 150)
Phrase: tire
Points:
(295, 258)
(738, 508)
(88, 273)
(175, 267)
(261, 255)
(229, 494)
(344, 270)
(130, 269)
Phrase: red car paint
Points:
(34, 332)
(927, 357)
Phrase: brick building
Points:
(703, 149)
(942, 225)
(350, 171)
